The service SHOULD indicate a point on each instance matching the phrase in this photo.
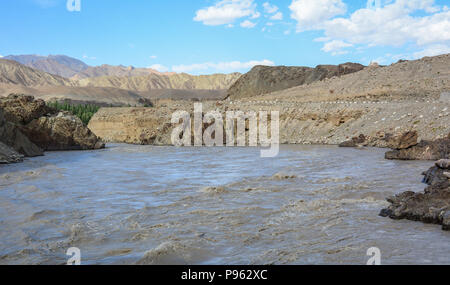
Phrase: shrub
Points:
(84, 112)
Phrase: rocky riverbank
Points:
(331, 122)
(425, 150)
(405, 146)
(28, 127)
(431, 206)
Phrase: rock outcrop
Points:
(425, 150)
(266, 79)
(432, 206)
(22, 109)
(62, 132)
(403, 141)
(28, 127)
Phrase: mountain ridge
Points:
(60, 65)
(12, 72)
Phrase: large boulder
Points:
(432, 206)
(403, 141)
(22, 109)
(425, 150)
(62, 132)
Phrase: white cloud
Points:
(221, 66)
(153, 57)
(1, 56)
(256, 15)
(432, 51)
(159, 67)
(419, 25)
(311, 14)
(336, 47)
(277, 16)
(392, 25)
(270, 9)
(226, 12)
(287, 32)
(248, 24)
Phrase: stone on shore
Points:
(62, 132)
(425, 150)
(361, 140)
(403, 141)
(431, 206)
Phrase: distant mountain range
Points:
(12, 72)
(59, 76)
(76, 69)
(60, 65)
(35, 70)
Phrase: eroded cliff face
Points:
(133, 125)
(300, 123)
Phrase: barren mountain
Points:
(376, 102)
(118, 71)
(123, 77)
(424, 78)
(60, 65)
(159, 81)
(134, 90)
(265, 79)
(12, 72)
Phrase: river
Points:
(131, 204)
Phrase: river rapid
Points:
(131, 204)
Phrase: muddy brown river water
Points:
(164, 205)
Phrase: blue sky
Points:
(202, 37)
